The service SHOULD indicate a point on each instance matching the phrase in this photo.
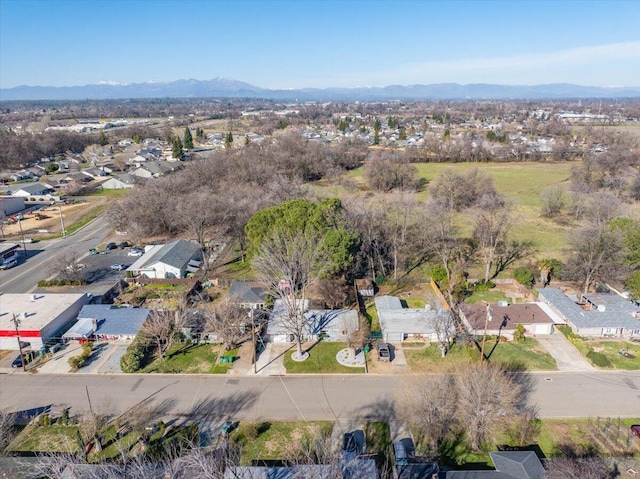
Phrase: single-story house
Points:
(31, 189)
(508, 465)
(601, 315)
(41, 317)
(94, 172)
(329, 324)
(249, 294)
(152, 170)
(399, 323)
(107, 322)
(119, 182)
(505, 317)
(23, 175)
(171, 260)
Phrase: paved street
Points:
(300, 397)
(24, 277)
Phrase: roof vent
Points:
(602, 308)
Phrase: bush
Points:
(524, 276)
(439, 274)
(133, 358)
(484, 285)
(599, 359)
(518, 334)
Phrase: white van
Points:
(8, 264)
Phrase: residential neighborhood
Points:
(371, 282)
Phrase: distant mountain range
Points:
(228, 88)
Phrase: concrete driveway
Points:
(565, 353)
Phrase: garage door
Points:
(394, 337)
(542, 329)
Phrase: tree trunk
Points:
(299, 346)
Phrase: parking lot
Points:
(97, 267)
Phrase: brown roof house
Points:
(505, 317)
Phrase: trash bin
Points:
(367, 348)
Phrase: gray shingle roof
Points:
(113, 320)
(177, 254)
(396, 319)
(33, 189)
(248, 292)
(618, 312)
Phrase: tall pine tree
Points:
(188, 139)
(176, 149)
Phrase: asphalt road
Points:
(24, 277)
(558, 395)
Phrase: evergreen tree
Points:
(377, 125)
(137, 139)
(176, 150)
(188, 139)
(403, 134)
(102, 138)
(376, 138)
(228, 140)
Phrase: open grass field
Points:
(185, 358)
(521, 181)
(529, 356)
(322, 359)
(264, 441)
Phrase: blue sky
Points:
(294, 44)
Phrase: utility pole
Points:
(24, 245)
(16, 323)
(488, 318)
(253, 339)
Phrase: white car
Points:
(135, 252)
(8, 264)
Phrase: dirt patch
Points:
(51, 224)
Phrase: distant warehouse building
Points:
(41, 317)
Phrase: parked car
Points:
(384, 352)
(117, 267)
(135, 252)
(93, 251)
(124, 244)
(17, 362)
(8, 264)
(111, 246)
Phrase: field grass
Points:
(489, 296)
(322, 360)
(610, 350)
(185, 358)
(53, 438)
(530, 356)
(264, 441)
(521, 181)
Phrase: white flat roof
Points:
(40, 312)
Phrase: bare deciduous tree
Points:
(291, 263)
(577, 468)
(67, 266)
(162, 328)
(493, 219)
(228, 321)
(487, 398)
(429, 403)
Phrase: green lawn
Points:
(529, 355)
(322, 359)
(604, 354)
(187, 358)
(51, 438)
(378, 437)
(275, 440)
(609, 349)
(489, 296)
(371, 314)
